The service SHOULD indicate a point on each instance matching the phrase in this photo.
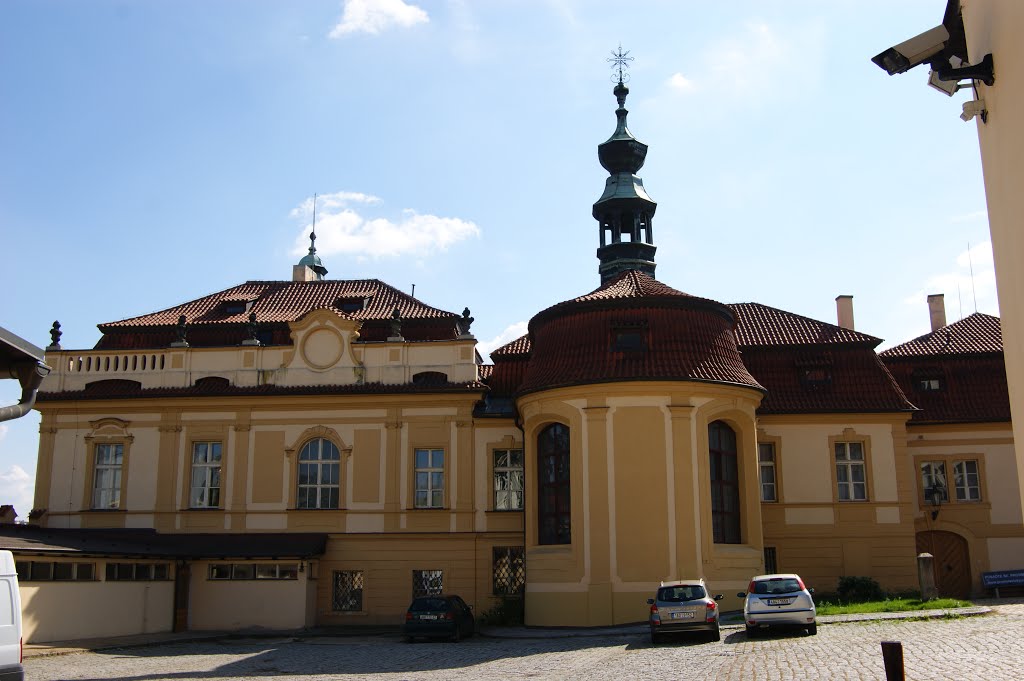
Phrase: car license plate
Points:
(682, 615)
(779, 601)
(428, 617)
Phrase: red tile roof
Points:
(276, 303)
(810, 379)
(763, 325)
(955, 374)
(976, 333)
(685, 338)
(809, 366)
(520, 346)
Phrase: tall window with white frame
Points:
(106, 487)
(429, 478)
(851, 472)
(508, 479)
(205, 492)
(766, 466)
(966, 480)
(319, 474)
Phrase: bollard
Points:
(926, 576)
(892, 658)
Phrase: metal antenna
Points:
(970, 261)
(313, 232)
(959, 300)
(620, 62)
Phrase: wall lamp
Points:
(935, 494)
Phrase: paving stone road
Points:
(989, 647)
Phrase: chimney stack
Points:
(937, 310)
(844, 311)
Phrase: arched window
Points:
(725, 484)
(319, 462)
(554, 516)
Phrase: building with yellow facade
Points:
(284, 454)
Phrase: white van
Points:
(10, 621)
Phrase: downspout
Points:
(31, 377)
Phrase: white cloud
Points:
(485, 348)
(969, 285)
(681, 83)
(342, 228)
(16, 488)
(374, 16)
(751, 63)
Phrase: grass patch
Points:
(889, 605)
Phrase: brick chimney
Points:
(844, 311)
(937, 310)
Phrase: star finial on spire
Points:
(620, 62)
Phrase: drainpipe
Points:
(31, 377)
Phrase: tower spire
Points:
(624, 211)
(311, 260)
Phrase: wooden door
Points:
(952, 565)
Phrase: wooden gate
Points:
(952, 565)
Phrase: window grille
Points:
(509, 570)
(427, 583)
(348, 591)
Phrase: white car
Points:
(778, 601)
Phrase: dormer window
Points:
(629, 338)
(815, 373)
(350, 305)
(234, 307)
(929, 380)
(430, 378)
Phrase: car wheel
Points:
(812, 629)
(715, 635)
(457, 635)
(655, 639)
(752, 632)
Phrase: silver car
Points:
(777, 601)
(683, 606)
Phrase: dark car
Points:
(438, 617)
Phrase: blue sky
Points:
(153, 152)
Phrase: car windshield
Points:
(678, 594)
(428, 605)
(777, 586)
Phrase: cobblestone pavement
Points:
(988, 647)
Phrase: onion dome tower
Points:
(624, 211)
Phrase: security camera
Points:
(975, 108)
(910, 53)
